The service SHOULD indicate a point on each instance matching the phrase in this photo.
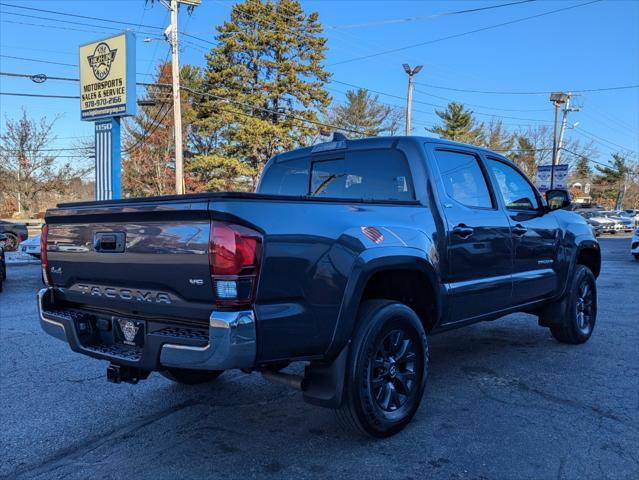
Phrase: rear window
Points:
(368, 175)
(286, 178)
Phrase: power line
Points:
(547, 92)
(77, 16)
(592, 135)
(14, 94)
(457, 35)
(56, 27)
(70, 22)
(39, 61)
(425, 17)
(99, 19)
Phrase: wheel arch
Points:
(407, 270)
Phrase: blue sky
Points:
(588, 47)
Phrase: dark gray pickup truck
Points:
(349, 255)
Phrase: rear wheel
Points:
(386, 370)
(580, 309)
(12, 242)
(189, 376)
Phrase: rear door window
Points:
(463, 178)
(363, 174)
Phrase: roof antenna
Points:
(338, 137)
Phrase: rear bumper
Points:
(229, 342)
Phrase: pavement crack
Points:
(85, 446)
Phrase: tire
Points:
(12, 242)
(187, 376)
(386, 370)
(580, 310)
(636, 255)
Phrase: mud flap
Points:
(324, 381)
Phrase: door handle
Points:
(519, 230)
(463, 231)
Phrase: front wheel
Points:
(580, 313)
(189, 376)
(386, 370)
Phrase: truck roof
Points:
(372, 142)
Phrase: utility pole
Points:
(409, 98)
(562, 131)
(171, 35)
(558, 99)
(177, 104)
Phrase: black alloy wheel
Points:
(386, 369)
(393, 370)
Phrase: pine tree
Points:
(524, 156)
(364, 113)
(497, 138)
(582, 172)
(610, 178)
(459, 125)
(262, 80)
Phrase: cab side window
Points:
(463, 178)
(516, 191)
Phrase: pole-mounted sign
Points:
(107, 92)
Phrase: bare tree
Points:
(28, 167)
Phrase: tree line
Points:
(264, 90)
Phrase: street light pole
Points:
(177, 106)
(409, 97)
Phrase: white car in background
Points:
(31, 246)
(600, 222)
(634, 244)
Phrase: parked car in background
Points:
(3, 264)
(622, 223)
(634, 244)
(15, 232)
(633, 214)
(31, 246)
(598, 221)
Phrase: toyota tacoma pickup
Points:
(348, 256)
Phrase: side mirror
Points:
(558, 199)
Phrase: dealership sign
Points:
(107, 92)
(107, 77)
(544, 173)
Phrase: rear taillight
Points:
(234, 257)
(44, 258)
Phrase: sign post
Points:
(107, 92)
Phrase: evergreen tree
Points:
(459, 125)
(364, 112)
(610, 178)
(524, 156)
(582, 172)
(497, 138)
(262, 80)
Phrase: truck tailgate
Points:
(143, 259)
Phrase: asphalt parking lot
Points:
(503, 401)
